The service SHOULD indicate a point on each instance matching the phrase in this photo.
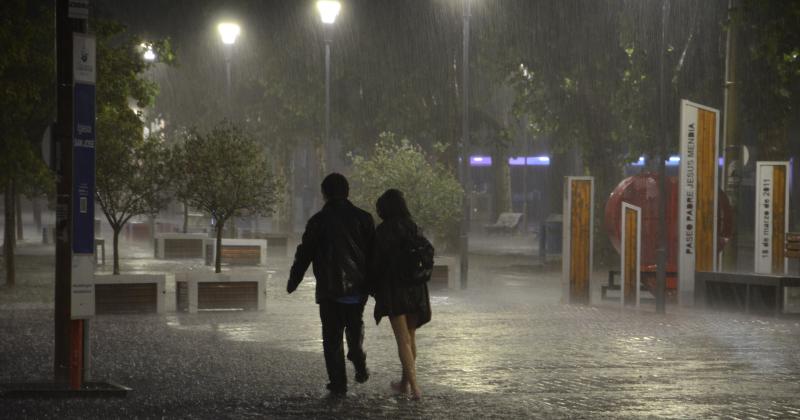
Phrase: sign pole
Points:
(71, 18)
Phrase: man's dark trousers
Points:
(338, 318)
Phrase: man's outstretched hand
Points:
(291, 286)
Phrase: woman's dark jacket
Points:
(338, 240)
(393, 294)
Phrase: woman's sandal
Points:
(399, 387)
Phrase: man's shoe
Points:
(337, 389)
(362, 374)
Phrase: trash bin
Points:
(553, 225)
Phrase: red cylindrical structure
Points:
(76, 355)
(641, 190)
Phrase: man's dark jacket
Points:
(338, 240)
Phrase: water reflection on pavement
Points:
(504, 348)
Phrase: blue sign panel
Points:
(83, 152)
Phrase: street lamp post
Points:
(228, 32)
(466, 177)
(328, 11)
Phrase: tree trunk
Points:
(606, 176)
(502, 184)
(732, 142)
(117, 229)
(20, 227)
(218, 253)
(185, 218)
(37, 214)
(9, 239)
(284, 214)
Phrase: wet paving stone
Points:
(493, 351)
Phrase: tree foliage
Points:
(26, 107)
(225, 173)
(433, 194)
(769, 71)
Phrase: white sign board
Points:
(766, 213)
(83, 58)
(78, 9)
(698, 195)
(82, 293)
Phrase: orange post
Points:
(76, 355)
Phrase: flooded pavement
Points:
(505, 348)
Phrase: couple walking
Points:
(351, 260)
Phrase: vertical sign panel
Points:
(772, 217)
(83, 176)
(697, 243)
(631, 238)
(578, 235)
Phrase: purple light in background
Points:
(721, 161)
(512, 161)
(480, 161)
(538, 161)
(673, 161)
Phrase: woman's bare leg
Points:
(411, 323)
(404, 350)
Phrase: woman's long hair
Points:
(392, 205)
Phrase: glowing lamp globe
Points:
(328, 10)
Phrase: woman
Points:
(407, 306)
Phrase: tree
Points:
(131, 170)
(770, 71)
(131, 175)
(225, 173)
(596, 90)
(433, 194)
(26, 106)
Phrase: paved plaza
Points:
(504, 348)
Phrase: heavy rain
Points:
(412, 209)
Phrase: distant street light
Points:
(328, 11)
(229, 32)
(149, 54)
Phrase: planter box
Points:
(237, 251)
(278, 244)
(232, 290)
(137, 231)
(446, 273)
(179, 245)
(129, 293)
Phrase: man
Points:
(338, 240)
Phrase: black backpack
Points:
(417, 260)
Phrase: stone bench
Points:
(129, 293)
(446, 273)
(506, 223)
(219, 291)
(100, 257)
(735, 291)
(278, 244)
(237, 251)
(179, 245)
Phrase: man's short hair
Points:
(335, 186)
